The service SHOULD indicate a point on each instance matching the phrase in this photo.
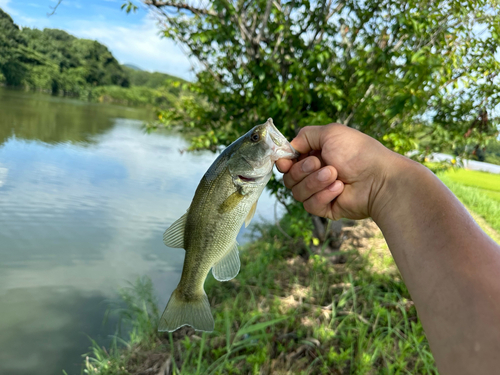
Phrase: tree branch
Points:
(198, 11)
(54, 9)
(264, 22)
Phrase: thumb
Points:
(308, 139)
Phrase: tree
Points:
(12, 51)
(415, 74)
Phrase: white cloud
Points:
(4, 5)
(140, 45)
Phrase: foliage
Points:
(153, 80)
(293, 313)
(134, 95)
(54, 61)
(482, 180)
(13, 54)
(414, 75)
(492, 152)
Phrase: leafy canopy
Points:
(415, 75)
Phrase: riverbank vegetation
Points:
(297, 306)
(341, 308)
(56, 62)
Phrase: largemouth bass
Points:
(226, 198)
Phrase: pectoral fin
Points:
(229, 266)
(174, 235)
(250, 215)
(231, 202)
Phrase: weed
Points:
(475, 198)
(283, 313)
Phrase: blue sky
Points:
(132, 38)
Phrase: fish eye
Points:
(255, 137)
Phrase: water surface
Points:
(85, 196)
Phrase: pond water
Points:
(85, 196)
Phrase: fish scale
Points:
(225, 198)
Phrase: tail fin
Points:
(195, 313)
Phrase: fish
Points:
(225, 198)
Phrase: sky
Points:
(132, 38)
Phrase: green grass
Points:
(469, 187)
(293, 310)
(495, 195)
(482, 180)
(290, 310)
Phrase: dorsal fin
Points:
(174, 235)
(250, 215)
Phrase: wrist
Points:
(397, 179)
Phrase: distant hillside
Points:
(147, 79)
(132, 66)
(54, 61)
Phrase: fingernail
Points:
(324, 174)
(335, 187)
(308, 165)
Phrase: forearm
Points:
(451, 268)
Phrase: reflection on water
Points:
(85, 196)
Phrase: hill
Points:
(140, 77)
(132, 66)
(54, 61)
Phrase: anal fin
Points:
(229, 266)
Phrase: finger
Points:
(300, 170)
(284, 165)
(312, 137)
(320, 204)
(308, 139)
(314, 183)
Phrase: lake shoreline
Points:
(340, 307)
(335, 308)
(134, 96)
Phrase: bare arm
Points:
(450, 266)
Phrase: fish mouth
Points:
(280, 147)
(246, 179)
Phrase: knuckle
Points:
(295, 172)
(311, 184)
(335, 124)
(301, 132)
(308, 206)
(286, 181)
(296, 194)
(311, 206)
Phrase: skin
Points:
(450, 266)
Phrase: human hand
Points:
(340, 173)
